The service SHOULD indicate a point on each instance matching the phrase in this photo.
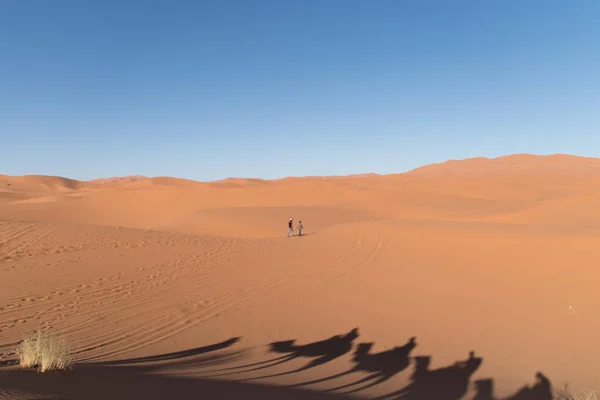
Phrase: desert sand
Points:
(170, 288)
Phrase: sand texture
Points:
(170, 288)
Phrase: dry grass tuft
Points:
(45, 353)
(586, 394)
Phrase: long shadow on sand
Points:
(321, 352)
(542, 390)
(125, 383)
(145, 378)
(173, 356)
(380, 366)
(148, 378)
(452, 383)
(449, 383)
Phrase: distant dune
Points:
(478, 189)
(559, 165)
(477, 166)
(155, 276)
(35, 183)
(120, 179)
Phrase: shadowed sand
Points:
(148, 278)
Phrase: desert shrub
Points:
(565, 394)
(44, 352)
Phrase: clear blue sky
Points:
(255, 88)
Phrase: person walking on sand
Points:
(300, 227)
(290, 227)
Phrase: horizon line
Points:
(353, 175)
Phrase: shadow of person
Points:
(449, 383)
(380, 366)
(542, 390)
(321, 352)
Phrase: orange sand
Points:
(494, 256)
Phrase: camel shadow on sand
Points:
(149, 378)
(320, 353)
(380, 366)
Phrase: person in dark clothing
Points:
(291, 227)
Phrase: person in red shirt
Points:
(291, 227)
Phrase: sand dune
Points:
(38, 183)
(556, 166)
(120, 179)
(150, 279)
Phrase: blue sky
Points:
(255, 88)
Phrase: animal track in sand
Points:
(25, 239)
(98, 300)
